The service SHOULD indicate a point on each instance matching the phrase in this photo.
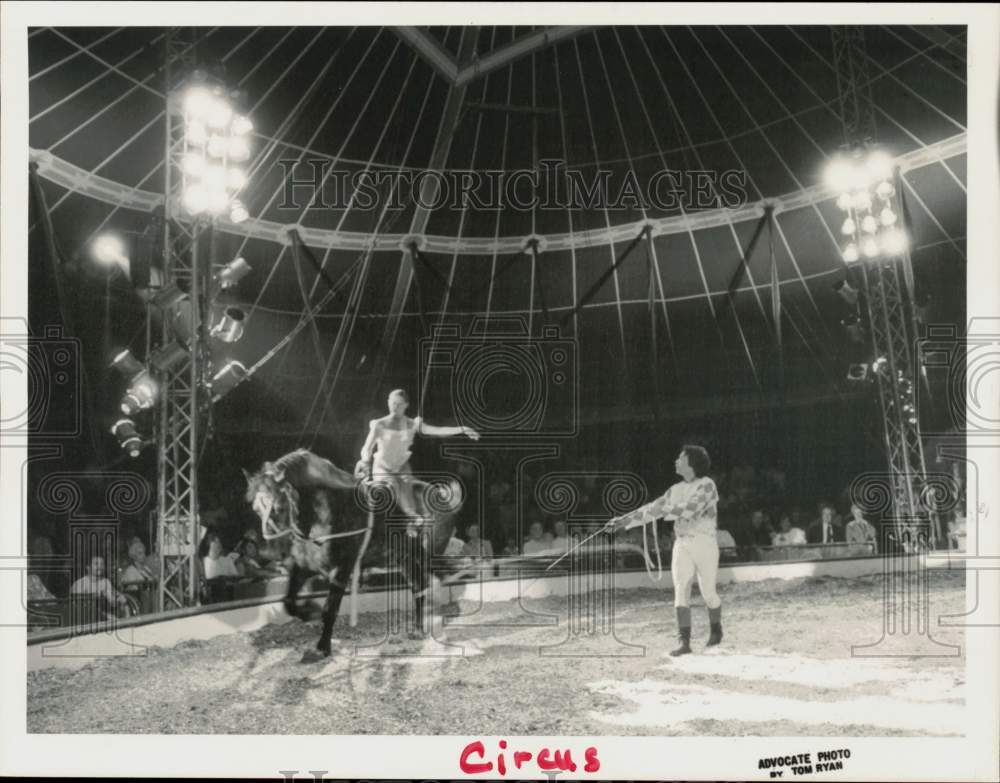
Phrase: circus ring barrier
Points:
(72, 648)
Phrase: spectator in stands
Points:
(251, 564)
(476, 547)
(140, 570)
(788, 535)
(824, 530)
(216, 562)
(94, 583)
(758, 532)
(510, 549)
(859, 529)
(560, 541)
(536, 544)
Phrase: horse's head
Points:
(274, 500)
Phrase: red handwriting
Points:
(473, 759)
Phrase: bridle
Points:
(271, 532)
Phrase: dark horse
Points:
(282, 494)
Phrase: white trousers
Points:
(695, 556)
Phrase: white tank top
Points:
(393, 449)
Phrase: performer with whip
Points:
(691, 503)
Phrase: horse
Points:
(281, 494)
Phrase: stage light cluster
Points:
(216, 144)
(863, 181)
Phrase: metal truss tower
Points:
(178, 414)
(888, 283)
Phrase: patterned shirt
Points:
(691, 504)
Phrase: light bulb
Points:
(848, 228)
(236, 178)
(217, 146)
(862, 201)
(887, 217)
(195, 199)
(869, 225)
(885, 190)
(241, 125)
(870, 248)
(239, 150)
(851, 253)
(844, 201)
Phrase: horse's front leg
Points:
(330, 610)
(296, 579)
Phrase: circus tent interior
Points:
(671, 335)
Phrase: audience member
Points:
(95, 583)
(476, 547)
(788, 535)
(824, 530)
(859, 530)
(536, 544)
(140, 570)
(252, 564)
(560, 541)
(758, 532)
(216, 562)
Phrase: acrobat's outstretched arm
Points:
(446, 432)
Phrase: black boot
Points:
(683, 631)
(715, 621)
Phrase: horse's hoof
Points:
(324, 648)
(292, 611)
(314, 656)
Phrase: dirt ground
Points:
(785, 668)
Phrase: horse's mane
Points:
(288, 478)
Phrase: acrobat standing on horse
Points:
(385, 457)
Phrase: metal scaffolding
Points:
(177, 436)
(888, 283)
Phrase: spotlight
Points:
(230, 328)
(870, 248)
(109, 249)
(195, 199)
(844, 201)
(241, 125)
(880, 364)
(198, 102)
(166, 357)
(227, 379)
(217, 201)
(126, 364)
(848, 228)
(233, 272)
(887, 217)
(862, 201)
(840, 174)
(851, 253)
(215, 176)
(220, 113)
(196, 133)
(128, 437)
(141, 395)
(857, 372)
(217, 146)
(239, 150)
(885, 190)
(238, 212)
(236, 179)
(878, 165)
(869, 225)
(894, 242)
(194, 164)
(847, 293)
(168, 297)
